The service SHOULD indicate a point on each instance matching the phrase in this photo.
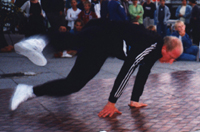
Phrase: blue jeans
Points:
(162, 29)
(189, 54)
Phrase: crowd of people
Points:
(42, 16)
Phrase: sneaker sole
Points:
(34, 56)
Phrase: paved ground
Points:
(172, 94)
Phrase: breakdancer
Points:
(98, 40)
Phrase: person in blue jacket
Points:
(113, 10)
(183, 13)
(190, 51)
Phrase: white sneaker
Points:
(22, 93)
(32, 48)
(65, 54)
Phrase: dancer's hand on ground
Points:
(108, 110)
(134, 104)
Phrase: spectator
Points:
(35, 16)
(97, 7)
(195, 22)
(190, 51)
(70, 52)
(136, 11)
(68, 5)
(86, 14)
(77, 27)
(183, 13)
(72, 14)
(81, 5)
(162, 15)
(116, 11)
(149, 9)
(64, 53)
(54, 10)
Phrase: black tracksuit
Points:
(100, 39)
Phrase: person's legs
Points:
(164, 30)
(145, 22)
(159, 29)
(192, 50)
(86, 67)
(187, 57)
(3, 42)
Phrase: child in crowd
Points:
(72, 14)
(86, 14)
(69, 52)
(78, 25)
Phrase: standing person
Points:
(195, 22)
(149, 9)
(72, 14)
(136, 12)
(35, 17)
(183, 13)
(86, 14)
(162, 15)
(54, 10)
(116, 11)
(190, 51)
(98, 38)
(68, 5)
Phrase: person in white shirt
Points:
(97, 8)
(72, 14)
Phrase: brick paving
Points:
(172, 98)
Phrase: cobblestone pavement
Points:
(172, 98)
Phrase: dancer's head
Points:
(171, 49)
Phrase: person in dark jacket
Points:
(98, 37)
(116, 11)
(149, 9)
(54, 10)
(190, 51)
(195, 22)
(113, 10)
